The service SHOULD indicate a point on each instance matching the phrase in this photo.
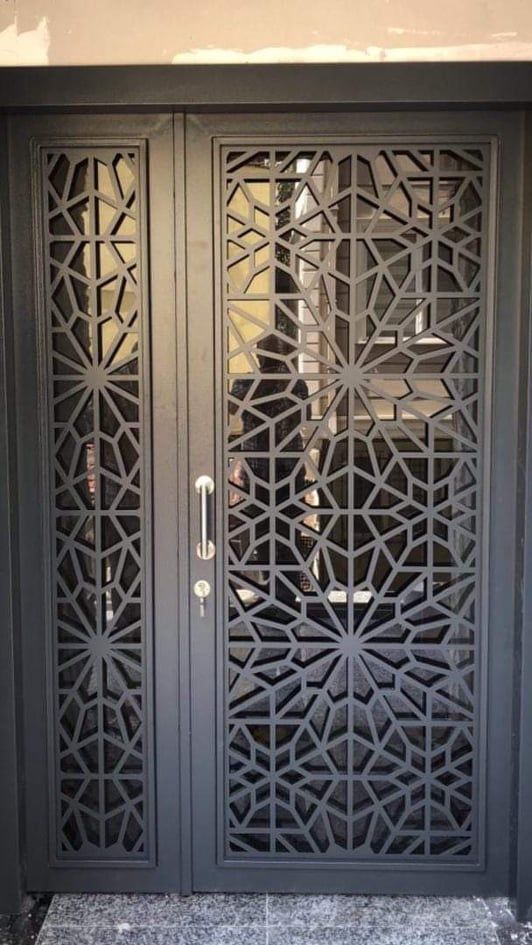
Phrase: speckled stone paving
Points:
(273, 920)
(23, 929)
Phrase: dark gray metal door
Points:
(95, 330)
(333, 711)
(346, 732)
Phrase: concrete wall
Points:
(83, 32)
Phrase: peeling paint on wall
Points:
(27, 48)
(331, 53)
(407, 31)
(128, 32)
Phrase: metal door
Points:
(350, 666)
(332, 710)
(95, 321)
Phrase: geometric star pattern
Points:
(93, 326)
(355, 313)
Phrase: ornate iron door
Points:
(265, 598)
(95, 329)
(353, 328)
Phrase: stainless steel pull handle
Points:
(205, 549)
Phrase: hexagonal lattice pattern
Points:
(93, 324)
(354, 300)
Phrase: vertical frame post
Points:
(10, 859)
(521, 838)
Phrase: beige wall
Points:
(67, 32)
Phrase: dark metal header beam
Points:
(331, 86)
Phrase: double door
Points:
(267, 387)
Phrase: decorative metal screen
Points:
(98, 401)
(354, 321)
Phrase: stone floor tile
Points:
(315, 910)
(499, 911)
(23, 929)
(512, 933)
(378, 911)
(227, 919)
(108, 911)
(440, 912)
(59, 935)
(198, 934)
(374, 936)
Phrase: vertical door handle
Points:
(204, 486)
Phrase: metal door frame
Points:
(339, 87)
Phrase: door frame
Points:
(269, 87)
(340, 87)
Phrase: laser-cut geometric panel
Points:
(354, 301)
(93, 322)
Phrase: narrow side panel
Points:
(97, 482)
(95, 434)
